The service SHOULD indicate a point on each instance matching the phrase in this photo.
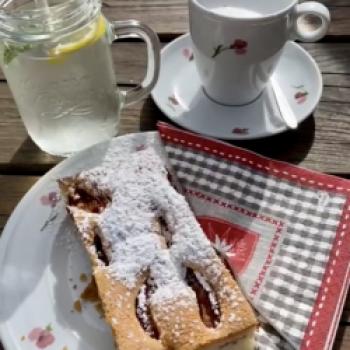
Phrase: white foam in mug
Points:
(237, 12)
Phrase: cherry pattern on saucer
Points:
(188, 54)
(240, 131)
(301, 95)
(173, 102)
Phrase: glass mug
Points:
(56, 57)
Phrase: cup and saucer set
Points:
(238, 74)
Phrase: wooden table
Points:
(321, 143)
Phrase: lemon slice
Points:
(96, 32)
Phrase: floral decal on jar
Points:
(239, 47)
(188, 54)
(301, 95)
(42, 338)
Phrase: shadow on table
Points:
(291, 146)
(30, 159)
(340, 339)
(150, 115)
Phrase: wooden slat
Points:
(321, 143)
(334, 3)
(3, 220)
(346, 313)
(12, 189)
(130, 59)
(170, 18)
(342, 341)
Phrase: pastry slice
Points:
(161, 283)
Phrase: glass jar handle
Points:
(132, 29)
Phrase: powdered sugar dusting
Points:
(140, 194)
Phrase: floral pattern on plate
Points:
(42, 338)
(51, 199)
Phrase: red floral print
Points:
(301, 94)
(188, 54)
(239, 46)
(301, 97)
(173, 100)
(240, 131)
(42, 337)
(50, 200)
(232, 242)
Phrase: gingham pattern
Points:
(288, 294)
(266, 338)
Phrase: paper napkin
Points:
(283, 229)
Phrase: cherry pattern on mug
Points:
(239, 46)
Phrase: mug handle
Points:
(313, 9)
(132, 29)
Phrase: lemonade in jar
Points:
(56, 57)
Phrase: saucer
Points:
(180, 96)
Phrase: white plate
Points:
(180, 96)
(41, 261)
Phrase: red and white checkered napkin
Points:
(285, 231)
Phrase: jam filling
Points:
(83, 200)
(143, 310)
(209, 308)
(102, 256)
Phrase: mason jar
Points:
(57, 59)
